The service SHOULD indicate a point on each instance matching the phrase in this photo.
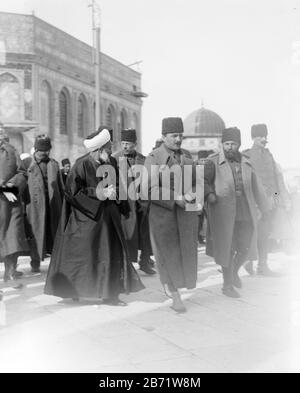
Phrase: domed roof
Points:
(204, 122)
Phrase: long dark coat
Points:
(90, 257)
(36, 208)
(12, 235)
(173, 230)
(136, 226)
(219, 179)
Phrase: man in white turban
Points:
(90, 258)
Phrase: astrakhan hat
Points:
(172, 125)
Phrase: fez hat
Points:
(128, 135)
(42, 143)
(259, 130)
(172, 125)
(97, 139)
(231, 134)
(65, 161)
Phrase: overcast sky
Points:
(235, 55)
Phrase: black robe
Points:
(90, 258)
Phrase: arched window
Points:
(10, 97)
(63, 113)
(110, 117)
(45, 108)
(81, 116)
(123, 120)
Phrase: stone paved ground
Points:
(257, 333)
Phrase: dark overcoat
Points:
(173, 230)
(219, 179)
(12, 234)
(89, 258)
(36, 209)
(136, 226)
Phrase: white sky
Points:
(236, 55)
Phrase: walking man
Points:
(173, 229)
(45, 190)
(12, 183)
(90, 258)
(233, 194)
(266, 169)
(136, 226)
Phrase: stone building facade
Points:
(47, 85)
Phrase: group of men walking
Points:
(94, 234)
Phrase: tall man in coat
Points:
(43, 210)
(136, 226)
(266, 169)
(90, 254)
(12, 183)
(233, 194)
(173, 229)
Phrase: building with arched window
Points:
(47, 85)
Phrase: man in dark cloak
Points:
(90, 258)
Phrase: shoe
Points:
(35, 270)
(8, 277)
(249, 268)
(114, 302)
(16, 274)
(151, 262)
(264, 270)
(178, 305)
(147, 269)
(231, 292)
(236, 281)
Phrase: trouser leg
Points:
(35, 259)
(10, 262)
(227, 275)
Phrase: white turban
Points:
(97, 141)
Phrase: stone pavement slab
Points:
(257, 333)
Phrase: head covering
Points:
(231, 134)
(204, 153)
(97, 139)
(111, 131)
(26, 158)
(42, 143)
(158, 143)
(259, 130)
(65, 161)
(128, 135)
(172, 125)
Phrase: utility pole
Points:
(96, 57)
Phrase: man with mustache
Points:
(43, 210)
(266, 169)
(136, 226)
(233, 193)
(173, 226)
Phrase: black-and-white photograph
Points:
(149, 188)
